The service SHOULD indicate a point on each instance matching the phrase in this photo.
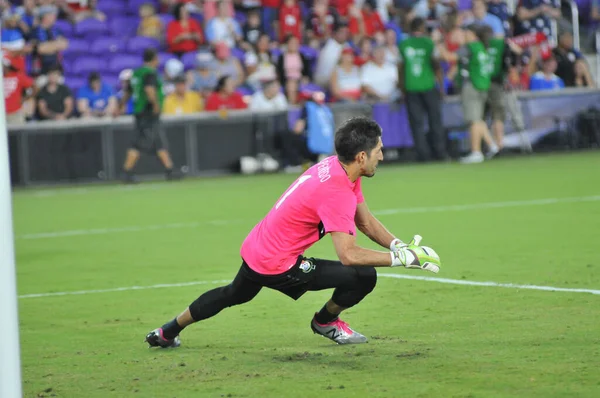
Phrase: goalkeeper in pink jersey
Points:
(326, 199)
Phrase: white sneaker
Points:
(492, 152)
(473, 157)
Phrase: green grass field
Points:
(529, 220)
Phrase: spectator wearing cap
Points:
(183, 34)
(205, 76)
(13, 40)
(545, 79)
(366, 22)
(536, 16)
(150, 24)
(270, 98)
(16, 83)
(322, 21)
(330, 55)
(293, 69)
(223, 28)
(182, 101)
(312, 135)
(48, 42)
(124, 94)
(289, 21)
(227, 65)
(173, 68)
(259, 64)
(571, 66)
(345, 80)
(54, 101)
(379, 79)
(224, 96)
(96, 99)
(482, 17)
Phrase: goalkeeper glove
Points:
(412, 255)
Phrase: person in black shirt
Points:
(54, 101)
(252, 30)
(572, 67)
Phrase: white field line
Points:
(395, 276)
(384, 212)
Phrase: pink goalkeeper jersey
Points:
(320, 201)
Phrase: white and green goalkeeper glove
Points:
(412, 255)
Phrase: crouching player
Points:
(326, 199)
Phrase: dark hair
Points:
(93, 77)
(55, 68)
(288, 38)
(485, 34)
(149, 55)
(221, 83)
(177, 10)
(417, 24)
(356, 135)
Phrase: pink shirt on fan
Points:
(320, 201)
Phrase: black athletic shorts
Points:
(308, 274)
(148, 136)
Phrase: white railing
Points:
(553, 39)
(598, 56)
(575, 22)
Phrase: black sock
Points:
(325, 316)
(171, 329)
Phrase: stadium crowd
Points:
(74, 58)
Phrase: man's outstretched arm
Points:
(369, 225)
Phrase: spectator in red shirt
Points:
(183, 34)
(290, 21)
(365, 51)
(322, 21)
(15, 83)
(224, 97)
(367, 22)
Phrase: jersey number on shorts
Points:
(292, 189)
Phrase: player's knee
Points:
(235, 296)
(368, 279)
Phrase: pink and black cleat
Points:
(155, 339)
(338, 331)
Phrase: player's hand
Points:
(414, 256)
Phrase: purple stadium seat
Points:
(111, 7)
(76, 47)
(64, 27)
(244, 90)
(107, 45)
(124, 61)
(74, 83)
(163, 58)
(91, 28)
(67, 65)
(189, 60)
(309, 52)
(83, 65)
(137, 45)
(111, 80)
(240, 17)
(464, 5)
(198, 17)
(239, 54)
(166, 19)
(124, 26)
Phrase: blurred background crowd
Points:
(72, 58)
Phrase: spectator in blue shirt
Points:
(48, 40)
(546, 79)
(28, 12)
(12, 37)
(536, 16)
(96, 99)
(499, 8)
(482, 17)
